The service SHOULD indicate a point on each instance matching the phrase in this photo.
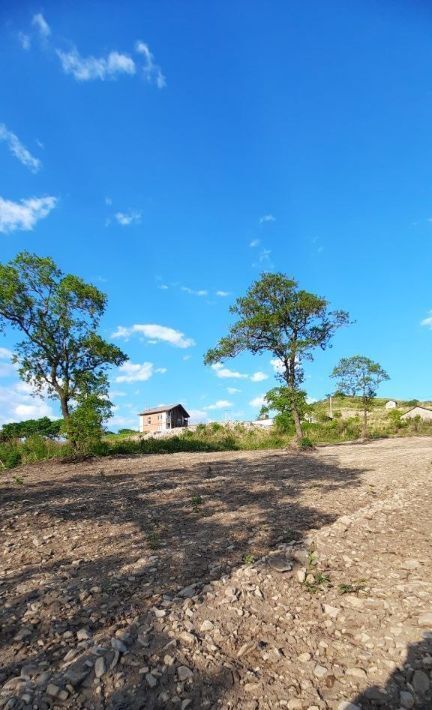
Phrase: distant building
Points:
(391, 404)
(422, 412)
(163, 418)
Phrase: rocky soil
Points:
(234, 580)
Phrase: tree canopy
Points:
(276, 316)
(60, 355)
(358, 376)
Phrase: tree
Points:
(279, 400)
(277, 317)
(30, 427)
(360, 376)
(61, 355)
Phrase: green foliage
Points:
(248, 558)
(306, 443)
(84, 427)
(58, 315)
(285, 401)
(10, 456)
(276, 316)
(31, 427)
(125, 432)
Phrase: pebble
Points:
(184, 673)
(118, 645)
(206, 625)
(331, 611)
(420, 682)
(346, 705)
(426, 619)
(151, 680)
(304, 657)
(100, 667)
(83, 635)
(320, 671)
(406, 699)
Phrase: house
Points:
(163, 418)
(422, 412)
(391, 404)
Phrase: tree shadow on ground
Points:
(410, 686)
(139, 538)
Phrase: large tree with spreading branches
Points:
(277, 317)
(57, 315)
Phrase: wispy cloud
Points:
(233, 390)
(277, 365)
(255, 243)
(259, 376)
(427, 321)
(152, 71)
(220, 404)
(127, 218)
(267, 218)
(155, 333)
(222, 294)
(226, 373)
(193, 292)
(91, 68)
(25, 214)
(257, 401)
(197, 416)
(19, 150)
(135, 372)
(17, 402)
(41, 25)
(24, 40)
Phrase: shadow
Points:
(410, 686)
(96, 546)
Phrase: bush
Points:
(10, 456)
(306, 443)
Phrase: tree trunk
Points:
(64, 404)
(365, 427)
(297, 422)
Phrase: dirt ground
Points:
(236, 580)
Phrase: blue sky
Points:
(171, 151)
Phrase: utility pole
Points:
(330, 407)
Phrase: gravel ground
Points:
(236, 580)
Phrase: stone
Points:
(426, 619)
(52, 690)
(346, 705)
(23, 634)
(301, 575)
(83, 635)
(159, 613)
(118, 645)
(187, 592)
(304, 657)
(411, 564)
(185, 703)
(357, 673)
(206, 625)
(331, 611)
(420, 682)
(187, 637)
(294, 704)
(168, 660)
(184, 673)
(151, 680)
(100, 667)
(406, 699)
(280, 563)
(320, 671)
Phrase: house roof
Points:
(417, 406)
(165, 408)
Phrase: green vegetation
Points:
(31, 427)
(360, 376)
(277, 317)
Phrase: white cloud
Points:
(267, 218)
(257, 401)
(233, 390)
(90, 68)
(155, 333)
(200, 292)
(163, 287)
(126, 422)
(24, 40)
(127, 218)
(259, 376)
(41, 25)
(225, 372)
(19, 150)
(254, 243)
(25, 214)
(17, 403)
(427, 321)
(186, 357)
(197, 416)
(135, 372)
(222, 294)
(220, 404)
(5, 354)
(277, 365)
(152, 72)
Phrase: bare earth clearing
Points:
(123, 583)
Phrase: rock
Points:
(346, 705)
(100, 667)
(357, 672)
(52, 690)
(294, 704)
(301, 575)
(187, 637)
(280, 563)
(406, 699)
(426, 619)
(22, 634)
(304, 657)
(320, 671)
(376, 694)
(151, 680)
(184, 673)
(118, 645)
(206, 625)
(168, 660)
(83, 635)
(420, 682)
(159, 613)
(411, 564)
(187, 592)
(331, 611)
(185, 703)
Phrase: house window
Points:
(148, 420)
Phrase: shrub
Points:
(306, 443)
